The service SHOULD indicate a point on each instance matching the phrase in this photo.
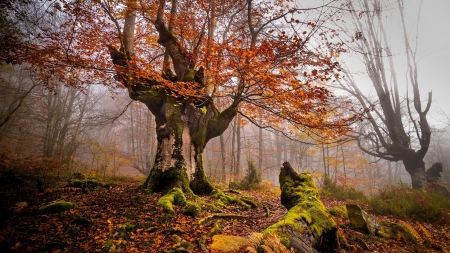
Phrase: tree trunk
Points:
(417, 172)
(307, 224)
(182, 131)
(237, 171)
(222, 154)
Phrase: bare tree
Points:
(399, 128)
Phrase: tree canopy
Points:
(266, 56)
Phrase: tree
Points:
(392, 126)
(261, 56)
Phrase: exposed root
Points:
(221, 216)
(177, 197)
(222, 199)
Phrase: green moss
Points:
(201, 185)
(173, 197)
(86, 184)
(175, 176)
(307, 215)
(222, 200)
(339, 211)
(189, 76)
(216, 229)
(203, 110)
(293, 192)
(192, 209)
(173, 111)
(57, 207)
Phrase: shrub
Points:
(250, 181)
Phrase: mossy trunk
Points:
(307, 226)
(183, 127)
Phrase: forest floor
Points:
(124, 218)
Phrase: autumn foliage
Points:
(264, 55)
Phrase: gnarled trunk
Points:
(183, 130)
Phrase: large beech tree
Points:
(399, 129)
(179, 57)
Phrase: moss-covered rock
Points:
(80, 180)
(339, 211)
(307, 223)
(393, 230)
(362, 221)
(57, 207)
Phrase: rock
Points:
(57, 207)
(362, 221)
(227, 243)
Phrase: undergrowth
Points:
(420, 205)
(331, 189)
(403, 202)
(251, 181)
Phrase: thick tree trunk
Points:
(182, 130)
(417, 172)
(413, 162)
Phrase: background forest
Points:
(96, 131)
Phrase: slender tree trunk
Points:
(222, 154)
(238, 151)
(324, 160)
(233, 149)
(261, 146)
(343, 161)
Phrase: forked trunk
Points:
(183, 128)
